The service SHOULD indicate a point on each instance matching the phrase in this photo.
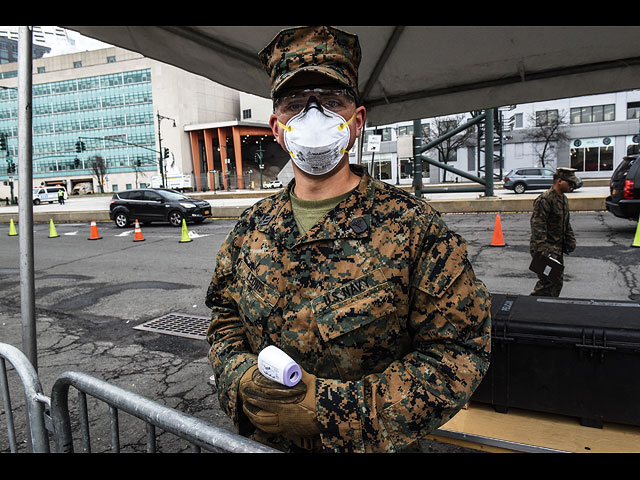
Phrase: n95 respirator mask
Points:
(316, 139)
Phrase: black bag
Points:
(546, 266)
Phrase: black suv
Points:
(624, 201)
(156, 205)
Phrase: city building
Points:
(107, 119)
(598, 130)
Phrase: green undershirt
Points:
(308, 212)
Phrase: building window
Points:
(514, 121)
(77, 64)
(546, 117)
(405, 130)
(111, 59)
(246, 114)
(41, 69)
(633, 110)
(592, 154)
(596, 113)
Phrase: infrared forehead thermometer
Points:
(276, 365)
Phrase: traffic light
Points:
(80, 146)
(3, 141)
(76, 162)
(166, 153)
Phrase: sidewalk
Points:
(230, 204)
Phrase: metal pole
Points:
(417, 157)
(488, 152)
(25, 205)
(160, 162)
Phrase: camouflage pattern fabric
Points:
(378, 300)
(322, 49)
(551, 234)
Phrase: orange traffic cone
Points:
(497, 240)
(94, 231)
(137, 236)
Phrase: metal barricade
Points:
(34, 400)
(56, 418)
(200, 434)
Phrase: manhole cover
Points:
(179, 324)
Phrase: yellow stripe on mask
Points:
(287, 128)
(344, 125)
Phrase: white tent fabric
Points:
(416, 71)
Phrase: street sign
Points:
(373, 143)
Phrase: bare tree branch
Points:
(99, 169)
(447, 150)
(547, 134)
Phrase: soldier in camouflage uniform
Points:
(551, 232)
(361, 283)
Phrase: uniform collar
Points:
(351, 218)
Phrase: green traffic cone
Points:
(12, 229)
(185, 233)
(52, 229)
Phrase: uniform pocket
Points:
(359, 324)
(256, 300)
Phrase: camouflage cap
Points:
(567, 174)
(325, 50)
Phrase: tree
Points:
(547, 133)
(99, 168)
(447, 150)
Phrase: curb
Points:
(474, 205)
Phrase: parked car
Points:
(624, 201)
(273, 184)
(156, 205)
(47, 194)
(528, 178)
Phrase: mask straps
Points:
(342, 126)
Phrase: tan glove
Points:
(276, 408)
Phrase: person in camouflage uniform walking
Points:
(551, 232)
(361, 283)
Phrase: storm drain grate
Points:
(179, 324)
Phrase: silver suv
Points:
(528, 178)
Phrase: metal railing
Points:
(34, 400)
(55, 420)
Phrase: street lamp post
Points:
(161, 162)
(259, 157)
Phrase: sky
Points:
(80, 43)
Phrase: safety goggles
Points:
(293, 102)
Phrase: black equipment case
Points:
(573, 357)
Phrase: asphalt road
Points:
(117, 277)
(91, 293)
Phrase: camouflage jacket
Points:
(378, 300)
(551, 232)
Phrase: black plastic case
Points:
(566, 356)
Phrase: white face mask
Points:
(316, 139)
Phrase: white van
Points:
(47, 194)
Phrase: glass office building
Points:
(111, 115)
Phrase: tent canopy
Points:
(416, 71)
